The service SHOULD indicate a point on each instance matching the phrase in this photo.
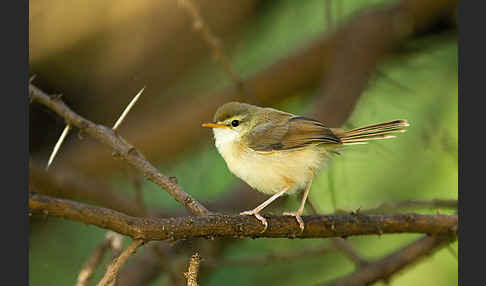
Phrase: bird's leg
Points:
(255, 212)
(298, 214)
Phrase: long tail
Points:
(371, 132)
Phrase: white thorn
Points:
(129, 107)
(58, 145)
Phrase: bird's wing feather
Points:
(296, 132)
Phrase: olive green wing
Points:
(296, 132)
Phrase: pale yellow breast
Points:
(268, 172)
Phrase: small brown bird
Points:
(279, 153)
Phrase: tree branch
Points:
(92, 263)
(118, 263)
(122, 148)
(302, 68)
(242, 226)
(274, 257)
(347, 249)
(384, 268)
(211, 40)
(363, 42)
(191, 274)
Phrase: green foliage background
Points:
(420, 164)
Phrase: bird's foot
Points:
(298, 217)
(258, 216)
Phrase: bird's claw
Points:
(298, 217)
(259, 217)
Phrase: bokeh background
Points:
(99, 54)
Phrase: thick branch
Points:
(384, 268)
(242, 226)
(121, 147)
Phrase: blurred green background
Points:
(421, 164)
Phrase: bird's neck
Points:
(228, 143)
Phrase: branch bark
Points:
(242, 226)
(122, 148)
(193, 270)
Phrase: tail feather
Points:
(371, 132)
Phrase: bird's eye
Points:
(235, 123)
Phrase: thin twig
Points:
(127, 109)
(341, 244)
(212, 226)
(92, 263)
(193, 270)
(384, 268)
(300, 69)
(274, 257)
(349, 251)
(58, 145)
(118, 263)
(213, 42)
(121, 147)
(112, 241)
(116, 246)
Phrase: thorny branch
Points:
(329, 1)
(242, 226)
(121, 147)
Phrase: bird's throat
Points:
(228, 143)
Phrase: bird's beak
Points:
(213, 125)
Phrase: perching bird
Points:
(279, 153)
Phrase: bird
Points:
(279, 153)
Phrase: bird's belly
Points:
(271, 172)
